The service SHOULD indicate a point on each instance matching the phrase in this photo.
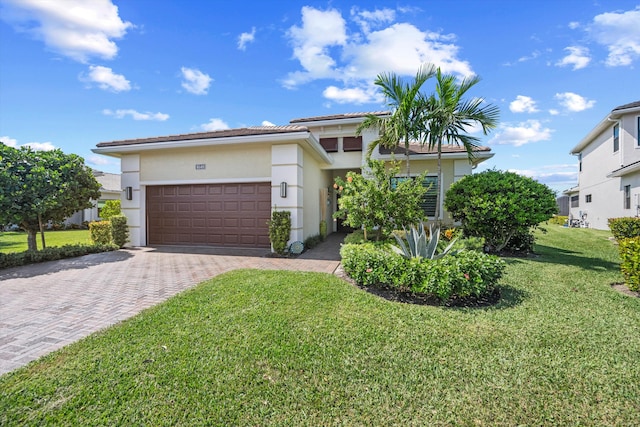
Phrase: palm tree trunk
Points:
(439, 182)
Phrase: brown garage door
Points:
(209, 214)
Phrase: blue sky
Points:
(74, 73)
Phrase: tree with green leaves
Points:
(380, 201)
(41, 186)
(447, 117)
(405, 100)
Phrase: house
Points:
(609, 169)
(109, 190)
(219, 188)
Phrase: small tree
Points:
(497, 205)
(381, 201)
(41, 186)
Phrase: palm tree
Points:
(405, 100)
(447, 117)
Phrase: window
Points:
(330, 145)
(616, 138)
(627, 197)
(575, 201)
(579, 162)
(352, 143)
(430, 198)
(638, 132)
(587, 198)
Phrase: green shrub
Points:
(100, 232)
(119, 230)
(372, 264)
(17, 259)
(111, 208)
(559, 219)
(356, 237)
(464, 274)
(313, 241)
(280, 230)
(468, 273)
(521, 242)
(497, 205)
(630, 262)
(624, 228)
(323, 229)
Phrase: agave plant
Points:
(418, 245)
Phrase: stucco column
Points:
(133, 209)
(286, 166)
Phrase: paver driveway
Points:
(46, 306)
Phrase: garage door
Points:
(232, 215)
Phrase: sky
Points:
(74, 73)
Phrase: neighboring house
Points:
(110, 189)
(609, 169)
(219, 188)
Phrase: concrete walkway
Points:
(46, 306)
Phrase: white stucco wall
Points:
(598, 160)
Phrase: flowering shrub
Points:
(464, 274)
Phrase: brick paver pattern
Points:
(46, 306)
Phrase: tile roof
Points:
(418, 149)
(339, 116)
(225, 133)
(625, 106)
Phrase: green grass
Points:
(16, 241)
(289, 348)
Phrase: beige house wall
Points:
(220, 163)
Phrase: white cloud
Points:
(106, 79)
(99, 160)
(523, 104)
(554, 112)
(354, 95)
(402, 48)
(521, 134)
(78, 29)
(578, 57)
(267, 123)
(552, 175)
(8, 141)
(37, 146)
(372, 18)
(326, 49)
(214, 124)
(135, 115)
(195, 81)
(573, 102)
(620, 33)
(246, 38)
(573, 25)
(311, 42)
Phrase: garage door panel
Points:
(209, 214)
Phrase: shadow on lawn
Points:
(550, 255)
(47, 267)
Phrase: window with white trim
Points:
(575, 201)
(627, 197)
(616, 138)
(587, 198)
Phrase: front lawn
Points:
(16, 241)
(289, 348)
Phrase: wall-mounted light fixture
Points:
(128, 191)
(283, 189)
